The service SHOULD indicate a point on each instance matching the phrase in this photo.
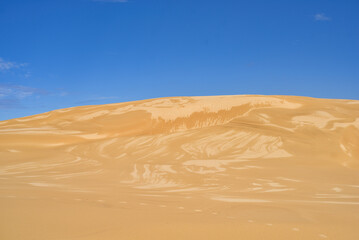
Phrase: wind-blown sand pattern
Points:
(223, 167)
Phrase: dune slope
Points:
(222, 167)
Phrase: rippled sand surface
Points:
(224, 167)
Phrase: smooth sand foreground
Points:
(223, 167)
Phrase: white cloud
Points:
(321, 17)
(18, 91)
(9, 103)
(7, 65)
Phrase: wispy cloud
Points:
(9, 103)
(19, 91)
(321, 17)
(11, 96)
(7, 65)
(19, 96)
(112, 1)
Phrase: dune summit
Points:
(221, 167)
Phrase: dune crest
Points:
(192, 167)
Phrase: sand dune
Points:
(222, 167)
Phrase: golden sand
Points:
(223, 167)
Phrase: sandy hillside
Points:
(224, 167)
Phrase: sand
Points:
(221, 167)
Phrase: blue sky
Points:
(64, 53)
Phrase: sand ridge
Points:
(229, 167)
